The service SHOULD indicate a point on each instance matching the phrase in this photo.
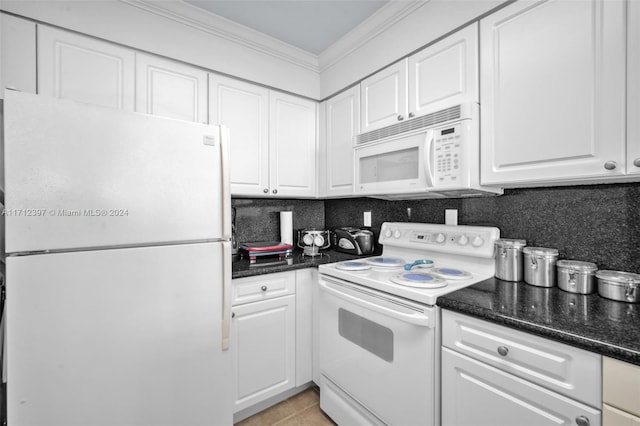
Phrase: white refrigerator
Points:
(118, 267)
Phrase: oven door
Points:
(378, 356)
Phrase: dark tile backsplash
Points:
(258, 219)
(597, 223)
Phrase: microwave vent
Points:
(428, 120)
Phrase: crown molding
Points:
(216, 25)
(384, 18)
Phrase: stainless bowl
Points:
(620, 286)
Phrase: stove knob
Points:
(440, 238)
(388, 233)
(463, 240)
(397, 234)
(477, 242)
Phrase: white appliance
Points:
(118, 267)
(380, 330)
(433, 156)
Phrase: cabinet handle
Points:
(400, 118)
(266, 190)
(582, 421)
(636, 162)
(411, 115)
(233, 314)
(503, 350)
(275, 191)
(610, 165)
(263, 288)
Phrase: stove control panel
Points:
(475, 241)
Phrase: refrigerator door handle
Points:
(226, 294)
(226, 186)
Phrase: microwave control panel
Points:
(448, 155)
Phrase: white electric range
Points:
(379, 323)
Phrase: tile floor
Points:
(302, 409)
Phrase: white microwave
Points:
(433, 156)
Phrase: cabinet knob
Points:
(582, 421)
(411, 115)
(233, 314)
(503, 350)
(263, 288)
(400, 118)
(610, 165)
(266, 190)
(636, 162)
(275, 191)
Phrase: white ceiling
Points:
(311, 25)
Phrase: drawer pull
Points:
(582, 421)
(233, 314)
(503, 350)
(263, 288)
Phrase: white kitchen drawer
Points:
(476, 394)
(569, 371)
(621, 385)
(262, 287)
(613, 417)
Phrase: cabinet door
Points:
(476, 394)
(342, 126)
(292, 146)
(553, 92)
(85, 69)
(170, 89)
(445, 73)
(263, 350)
(633, 88)
(18, 50)
(384, 97)
(244, 109)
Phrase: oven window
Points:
(390, 166)
(367, 334)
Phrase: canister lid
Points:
(540, 251)
(577, 265)
(619, 277)
(510, 243)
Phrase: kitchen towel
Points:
(286, 227)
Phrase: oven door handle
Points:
(417, 318)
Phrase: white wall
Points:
(153, 27)
(429, 21)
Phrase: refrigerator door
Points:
(118, 337)
(82, 176)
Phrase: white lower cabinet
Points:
(494, 375)
(271, 335)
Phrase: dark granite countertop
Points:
(243, 268)
(589, 322)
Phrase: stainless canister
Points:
(540, 266)
(575, 276)
(509, 259)
(616, 285)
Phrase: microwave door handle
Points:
(428, 157)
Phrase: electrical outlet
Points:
(367, 219)
(451, 216)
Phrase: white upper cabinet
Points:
(170, 89)
(244, 108)
(18, 50)
(384, 97)
(292, 145)
(342, 124)
(553, 92)
(437, 77)
(445, 73)
(85, 69)
(633, 88)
